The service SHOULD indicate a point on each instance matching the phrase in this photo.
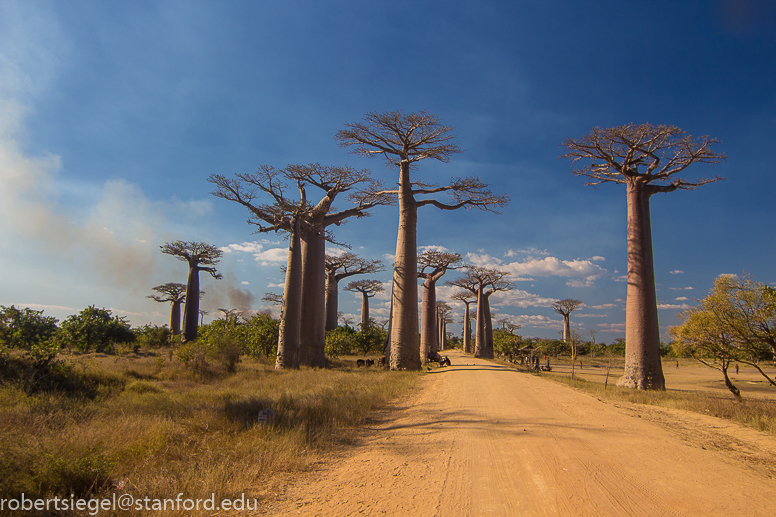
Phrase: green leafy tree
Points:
(25, 328)
(95, 329)
(736, 322)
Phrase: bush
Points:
(24, 328)
(340, 341)
(95, 329)
(617, 347)
(260, 335)
(152, 336)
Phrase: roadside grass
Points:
(160, 430)
(757, 413)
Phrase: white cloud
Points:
(519, 298)
(336, 252)
(537, 321)
(267, 257)
(672, 306)
(681, 288)
(581, 272)
(622, 278)
(611, 327)
(598, 258)
(483, 260)
(603, 306)
(682, 299)
(530, 251)
(590, 315)
(245, 282)
(677, 272)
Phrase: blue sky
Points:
(113, 115)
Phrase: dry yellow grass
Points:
(692, 387)
(164, 430)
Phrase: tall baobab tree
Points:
(175, 294)
(339, 267)
(368, 289)
(483, 282)
(403, 140)
(564, 308)
(467, 297)
(645, 158)
(443, 311)
(306, 223)
(200, 257)
(432, 265)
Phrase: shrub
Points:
(152, 336)
(340, 341)
(24, 328)
(95, 329)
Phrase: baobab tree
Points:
(564, 308)
(645, 158)
(432, 265)
(368, 289)
(483, 282)
(443, 311)
(339, 267)
(306, 223)
(467, 297)
(403, 140)
(175, 294)
(200, 256)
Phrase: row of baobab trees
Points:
(645, 158)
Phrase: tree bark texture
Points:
(364, 311)
(290, 316)
(332, 295)
(405, 340)
(643, 369)
(488, 348)
(312, 337)
(467, 330)
(191, 309)
(175, 317)
(428, 318)
(566, 327)
(480, 339)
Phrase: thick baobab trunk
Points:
(467, 330)
(566, 327)
(643, 369)
(332, 296)
(488, 349)
(312, 337)
(480, 334)
(405, 341)
(175, 317)
(364, 311)
(290, 315)
(428, 318)
(191, 310)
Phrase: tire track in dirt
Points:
(481, 439)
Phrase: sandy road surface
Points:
(480, 439)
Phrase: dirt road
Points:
(480, 439)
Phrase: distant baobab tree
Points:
(340, 267)
(368, 289)
(467, 297)
(202, 315)
(403, 139)
(483, 282)
(200, 257)
(443, 311)
(564, 308)
(175, 294)
(306, 223)
(645, 158)
(432, 265)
